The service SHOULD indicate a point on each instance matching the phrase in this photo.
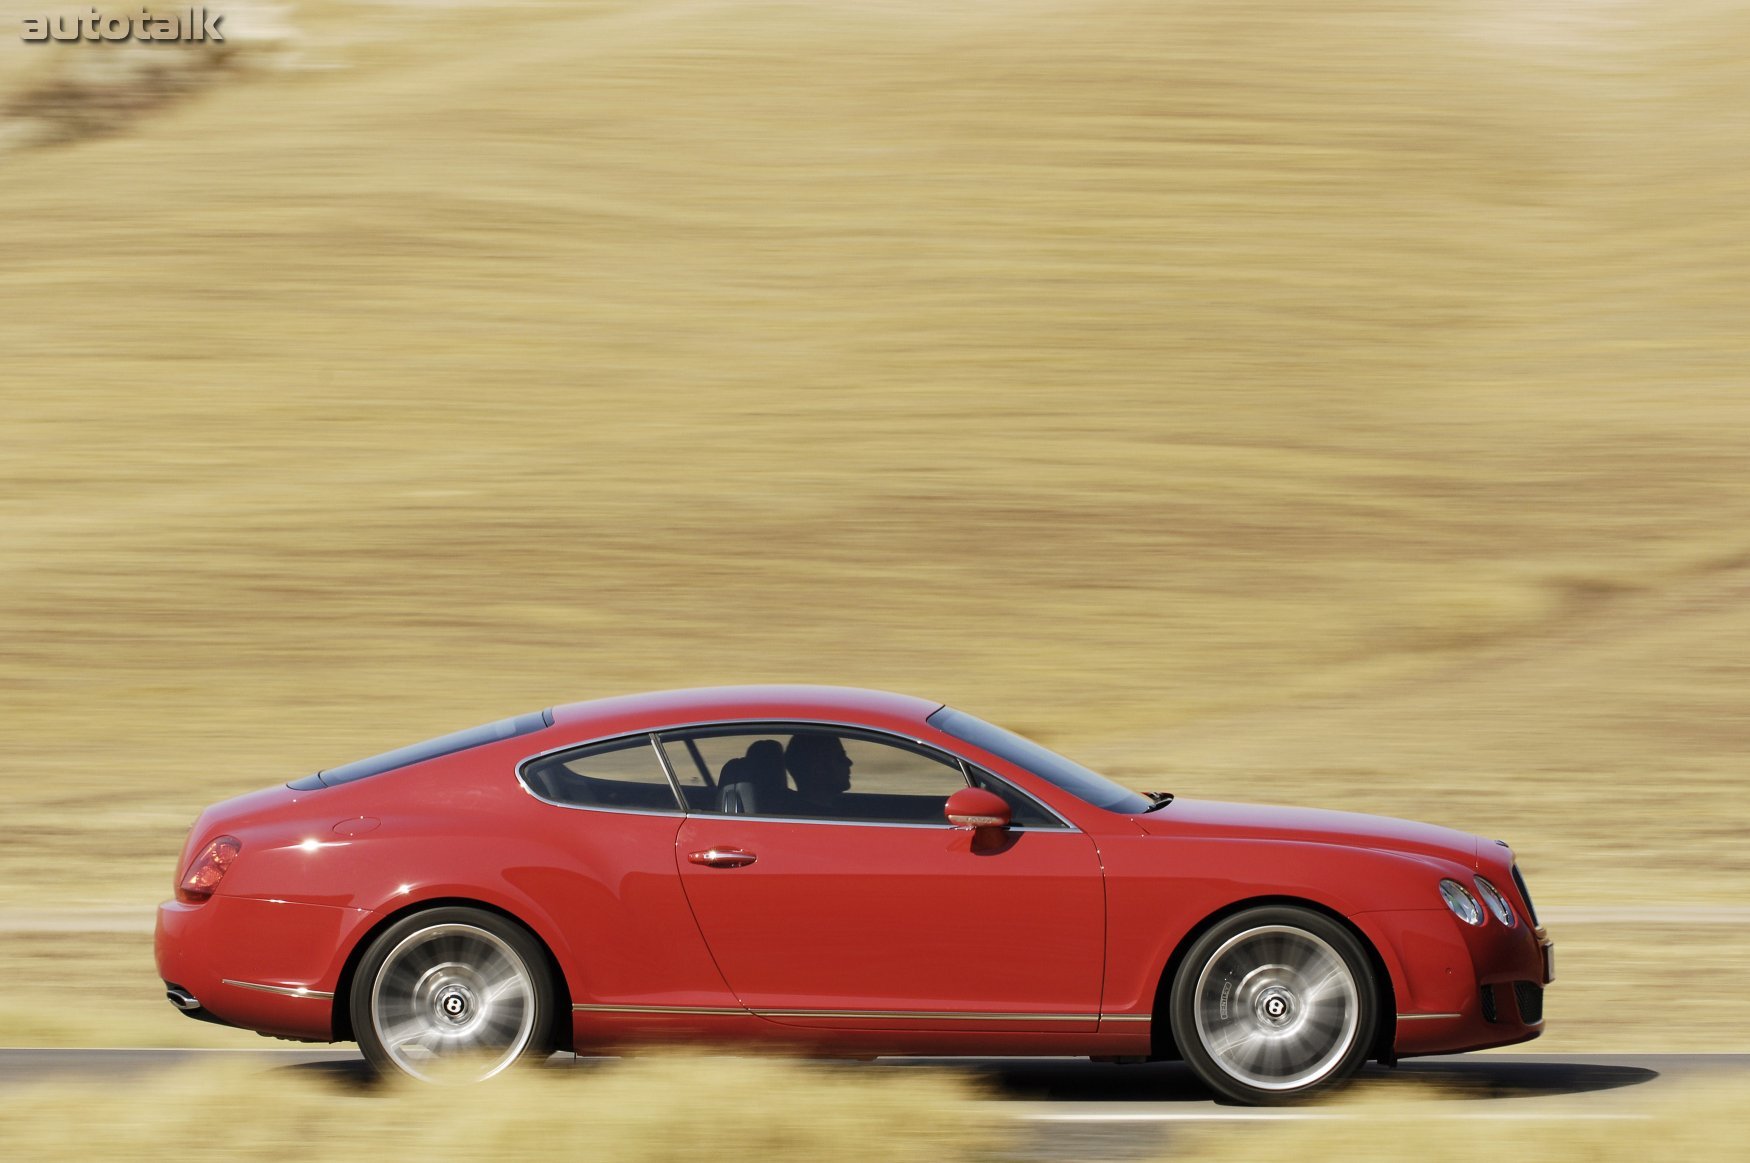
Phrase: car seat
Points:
(754, 782)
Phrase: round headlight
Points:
(1464, 906)
(1496, 902)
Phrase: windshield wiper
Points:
(1161, 799)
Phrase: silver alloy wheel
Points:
(1277, 1007)
(453, 1003)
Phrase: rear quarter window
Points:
(625, 774)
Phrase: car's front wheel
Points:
(1274, 1004)
(452, 995)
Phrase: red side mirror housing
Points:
(976, 808)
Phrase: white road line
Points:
(1216, 1115)
(1244, 1115)
(1647, 915)
(78, 920)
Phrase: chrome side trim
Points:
(1126, 1018)
(942, 827)
(666, 812)
(732, 1011)
(926, 1015)
(861, 1015)
(1425, 1017)
(282, 990)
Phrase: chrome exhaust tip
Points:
(182, 999)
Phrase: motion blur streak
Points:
(1335, 403)
(658, 1109)
(647, 1111)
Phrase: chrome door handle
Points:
(722, 857)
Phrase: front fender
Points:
(1161, 890)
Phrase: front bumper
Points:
(1461, 987)
(265, 965)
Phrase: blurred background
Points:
(1338, 404)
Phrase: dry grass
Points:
(1342, 405)
(91, 989)
(653, 1110)
(59, 93)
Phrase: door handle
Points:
(722, 857)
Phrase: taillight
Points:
(208, 869)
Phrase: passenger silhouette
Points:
(765, 762)
(753, 784)
(821, 769)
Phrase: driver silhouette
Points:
(821, 770)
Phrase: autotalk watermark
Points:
(187, 24)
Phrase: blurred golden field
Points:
(644, 1111)
(1340, 404)
(662, 1109)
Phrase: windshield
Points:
(1072, 777)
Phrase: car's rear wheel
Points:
(452, 995)
(1274, 1004)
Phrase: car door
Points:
(863, 907)
(610, 808)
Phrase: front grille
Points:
(1524, 895)
(1489, 1012)
(1529, 995)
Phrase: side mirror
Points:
(975, 808)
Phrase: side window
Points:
(709, 763)
(624, 774)
(696, 774)
(1024, 810)
(814, 773)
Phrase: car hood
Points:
(1212, 818)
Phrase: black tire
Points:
(452, 995)
(1274, 1004)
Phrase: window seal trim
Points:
(674, 781)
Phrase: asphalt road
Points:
(1075, 1109)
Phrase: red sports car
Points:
(844, 872)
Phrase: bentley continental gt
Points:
(839, 872)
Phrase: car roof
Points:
(653, 709)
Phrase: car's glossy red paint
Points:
(847, 938)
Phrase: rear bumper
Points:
(1460, 987)
(265, 965)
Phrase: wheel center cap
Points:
(1276, 1006)
(454, 1003)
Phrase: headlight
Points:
(1496, 902)
(1464, 906)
